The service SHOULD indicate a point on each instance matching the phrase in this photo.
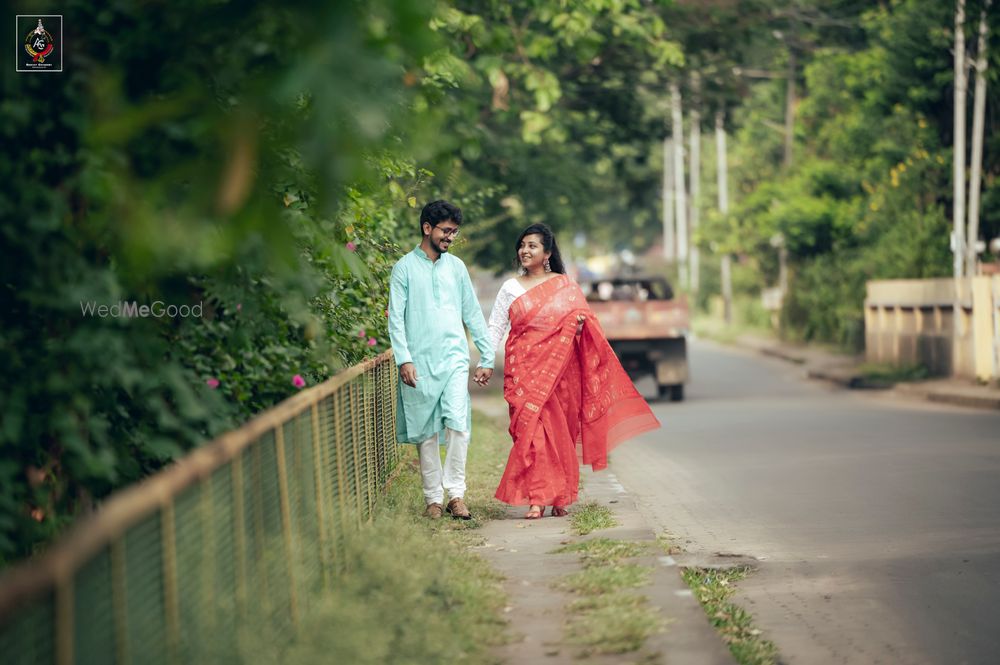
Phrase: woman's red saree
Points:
(570, 400)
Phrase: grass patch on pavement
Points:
(411, 591)
(615, 628)
(608, 616)
(608, 578)
(885, 373)
(591, 516)
(601, 551)
(713, 589)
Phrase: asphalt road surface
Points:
(876, 521)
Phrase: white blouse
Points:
(500, 316)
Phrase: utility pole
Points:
(680, 199)
(695, 177)
(958, 165)
(790, 109)
(669, 249)
(722, 177)
(978, 129)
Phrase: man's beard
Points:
(438, 248)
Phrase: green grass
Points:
(713, 589)
(412, 591)
(606, 616)
(888, 374)
(591, 516)
(600, 551)
(605, 579)
(614, 628)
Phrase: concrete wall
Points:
(951, 326)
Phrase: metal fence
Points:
(247, 525)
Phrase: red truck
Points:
(646, 326)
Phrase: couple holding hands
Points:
(570, 400)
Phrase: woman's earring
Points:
(548, 268)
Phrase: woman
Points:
(570, 400)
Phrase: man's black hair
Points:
(436, 212)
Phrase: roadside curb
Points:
(972, 397)
(843, 372)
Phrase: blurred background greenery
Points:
(270, 161)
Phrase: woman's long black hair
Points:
(548, 242)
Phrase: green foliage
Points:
(195, 155)
(267, 163)
(867, 196)
(591, 516)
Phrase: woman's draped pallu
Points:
(570, 399)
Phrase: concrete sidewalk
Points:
(522, 550)
(845, 370)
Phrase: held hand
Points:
(408, 374)
(482, 376)
(580, 318)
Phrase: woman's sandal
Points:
(534, 512)
(559, 511)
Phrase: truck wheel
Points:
(675, 392)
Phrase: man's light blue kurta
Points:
(429, 301)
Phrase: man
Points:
(430, 297)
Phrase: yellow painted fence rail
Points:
(247, 525)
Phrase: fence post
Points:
(286, 522)
(206, 505)
(119, 601)
(341, 476)
(239, 533)
(318, 469)
(171, 608)
(354, 449)
(64, 617)
(370, 441)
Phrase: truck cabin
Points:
(634, 289)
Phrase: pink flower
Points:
(212, 382)
(361, 333)
(351, 246)
(371, 341)
(298, 381)
(239, 307)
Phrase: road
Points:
(876, 521)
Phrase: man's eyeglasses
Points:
(449, 233)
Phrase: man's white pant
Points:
(451, 478)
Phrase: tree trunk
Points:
(790, 109)
(978, 128)
(722, 176)
(958, 165)
(669, 248)
(680, 199)
(695, 176)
